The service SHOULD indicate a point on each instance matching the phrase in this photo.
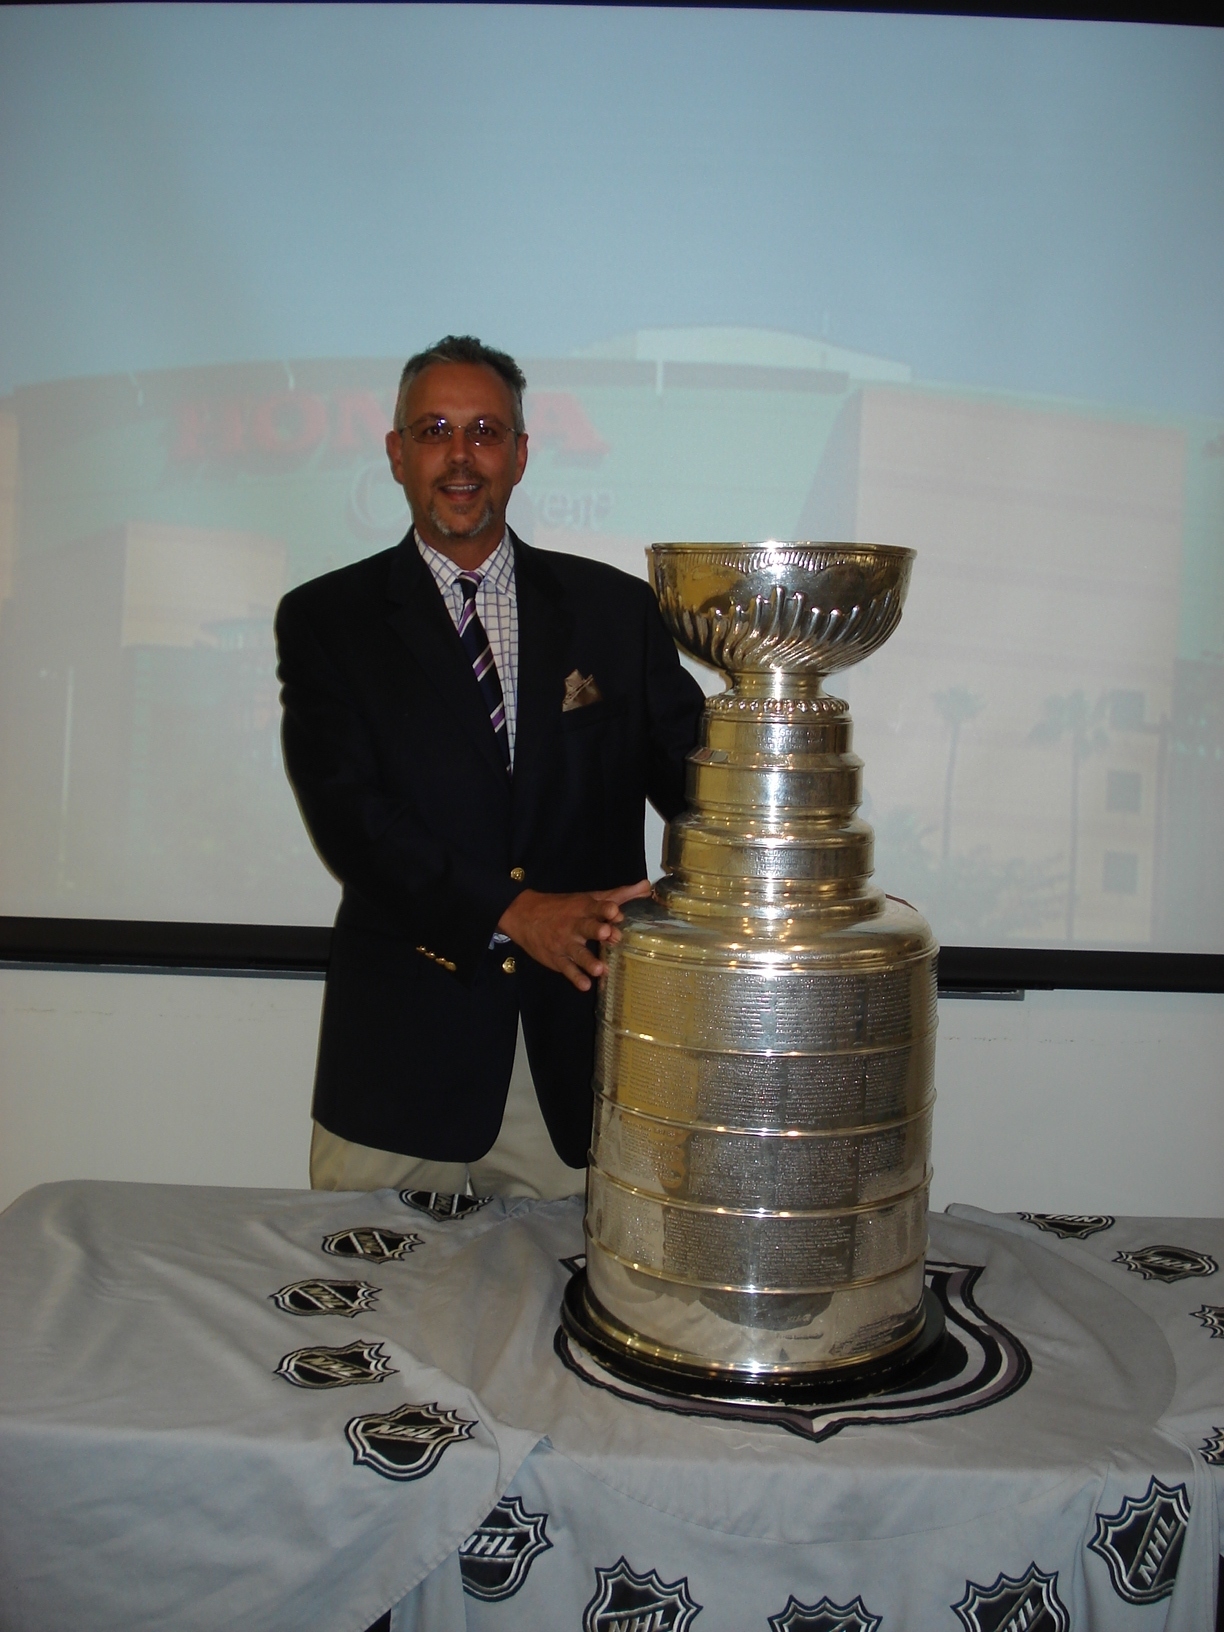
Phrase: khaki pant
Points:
(521, 1163)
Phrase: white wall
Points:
(1066, 1102)
(187, 1079)
(1082, 1102)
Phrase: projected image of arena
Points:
(943, 283)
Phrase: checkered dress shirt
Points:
(496, 607)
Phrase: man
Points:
(471, 727)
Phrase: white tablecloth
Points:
(224, 1409)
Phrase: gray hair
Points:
(464, 348)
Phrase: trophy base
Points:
(907, 1366)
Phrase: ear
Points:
(520, 457)
(395, 453)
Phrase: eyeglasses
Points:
(432, 432)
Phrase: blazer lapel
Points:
(419, 617)
(544, 628)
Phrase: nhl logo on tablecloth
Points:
(1167, 1263)
(406, 1443)
(1032, 1602)
(625, 1600)
(1070, 1226)
(376, 1244)
(441, 1206)
(1142, 1542)
(1212, 1316)
(347, 1298)
(336, 1368)
(495, 1558)
(824, 1617)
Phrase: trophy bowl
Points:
(753, 608)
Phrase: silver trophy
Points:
(757, 1196)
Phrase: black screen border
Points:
(302, 951)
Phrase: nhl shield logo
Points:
(1032, 1602)
(625, 1602)
(336, 1368)
(441, 1206)
(1212, 1448)
(1070, 1226)
(1167, 1263)
(495, 1558)
(378, 1245)
(347, 1298)
(1142, 1542)
(987, 1364)
(825, 1616)
(406, 1443)
(1212, 1316)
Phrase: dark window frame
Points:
(1123, 791)
(1120, 872)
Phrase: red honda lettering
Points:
(361, 422)
(556, 419)
(207, 429)
(290, 422)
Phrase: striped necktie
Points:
(476, 645)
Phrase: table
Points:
(281, 1409)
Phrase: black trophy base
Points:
(905, 1367)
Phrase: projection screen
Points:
(951, 283)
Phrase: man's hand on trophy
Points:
(555, 929)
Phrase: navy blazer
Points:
(391, 753)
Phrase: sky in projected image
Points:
(1037, 206)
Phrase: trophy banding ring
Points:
(764, 1066)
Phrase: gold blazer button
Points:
(508, 966)
(518, 874)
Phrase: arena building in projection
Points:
(1044, 736)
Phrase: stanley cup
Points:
(757, 1197)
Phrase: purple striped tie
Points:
(476, 645)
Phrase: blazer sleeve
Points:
(371, 837)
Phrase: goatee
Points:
(470, 531)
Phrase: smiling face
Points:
(457, 490)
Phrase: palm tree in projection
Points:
(1075, 718)
(957, 706)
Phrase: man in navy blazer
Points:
(485, 852)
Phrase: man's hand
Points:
(555, 929)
